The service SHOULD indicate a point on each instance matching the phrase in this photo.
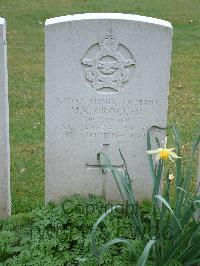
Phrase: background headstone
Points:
(5, 204)
(107, 81)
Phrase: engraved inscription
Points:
(105, 118)
(107, 65)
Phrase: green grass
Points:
(25, 26)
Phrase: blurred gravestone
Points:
(5, 205)
(107, 78)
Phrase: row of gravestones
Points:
(106, 83)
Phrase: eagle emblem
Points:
(107, 65)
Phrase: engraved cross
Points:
(104, 172)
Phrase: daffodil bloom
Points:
(164, 153)
(171, 177)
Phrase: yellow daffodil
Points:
(164, 153)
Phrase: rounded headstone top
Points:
(114, 16)
(2, 21)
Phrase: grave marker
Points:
(107, 78)
(5, 205)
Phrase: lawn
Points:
(25, 36)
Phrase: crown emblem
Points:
(108, 44)
(104, 67)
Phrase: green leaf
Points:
(195, 204)
(193, 262)
(106, 164)
(150, 157)
(124, 185)
(112, 242)
(182, 190)
(81, 259)
(96, 251)
(142, 260)
(159, 197)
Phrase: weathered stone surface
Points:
(5, 204)
(107, 81)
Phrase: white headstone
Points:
(107, 81)
(5, 204)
